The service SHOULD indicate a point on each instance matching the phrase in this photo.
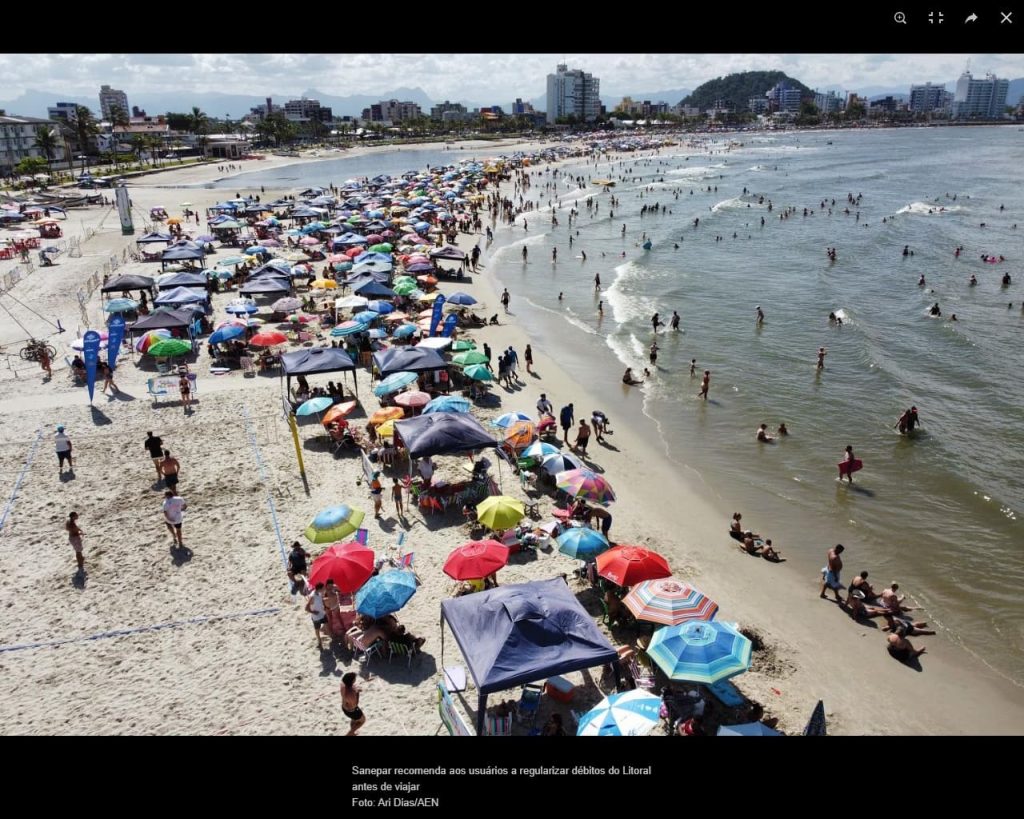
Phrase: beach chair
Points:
(401, 650)
(362, 650)
(529, 703)
(642, 677)
(498, 726)
(248, 365)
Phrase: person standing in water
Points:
(693, 367)
(760, 315)
(675, 320)
(821, 358)
(655, 322)
(705, 382)
(849, 458)
(597, 281)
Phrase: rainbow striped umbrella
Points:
(669, 601)
(700, 651)
(585, 483)
(149, 339)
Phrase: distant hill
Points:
(737, 89)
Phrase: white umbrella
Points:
(350, 302)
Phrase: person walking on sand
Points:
(44, 361)
(566, 417)
(185, 388)
(170, 469)
(830, 574)
(108, 378)
(821, 358)
(582, 436)
(317, 612)
(528, 358)
(705, 382)
(75, 539)
(154, 445)
(350, 703)
(174, 515)
(396, 496)
(377, 493)
(63, 444)
(505, 298)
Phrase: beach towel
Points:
(362, 536)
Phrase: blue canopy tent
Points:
(128, 282)
(154, 237)
(408, 359)
(522, 633)
(162, 321)
(182, 279)
(442, 433)
(317, 360)
(266, 284)
(182, 295)
(182, 253)
(373, 289)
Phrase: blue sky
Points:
(485, 78)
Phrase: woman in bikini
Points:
(332, 602)
(75, 539)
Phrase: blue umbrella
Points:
(240, 307)
(748, 729)
(365, 317)
(394, 382)
(447, 403)
(406, 331)
(539, 450)
(226, 333)
(348, 328)
(315, 405)
(120, 306)
(631, 713)
(461, 298)
(380, 307)
(582, 543)
(385, 593)
(256, 249)
(510, 418)
(700, 651)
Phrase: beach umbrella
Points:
(386, 414)
(700, 651)
(539, 450)
(629, 714)
(500, 512)
(405, 331)
(288, 304)
(381, 307)
(582, 543)
(461, 298)
(629, 565)
(241, 307)
(463, 344)
(447, 403)
(585, 483)
(324, 284)
(333, 523)
(475, 559)
(338, 412)
(79, 343)
(669, 601)
(229, 261)
(169, 347)
(226, 333)
(120, 306)
(509, 418)
(351, 301)
(387, 429)
(386, 593)
(314, 405)
(404, 288)
(268, 338)
(748, 729)
(206, 237)
(365, 317)
(349, 565)
(469, 357)
(348, 328)
(149, 339)
(415, 398)
(394, 382)
(521, 434)
(478, 372)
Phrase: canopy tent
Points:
(448, 252)
(316, 360)
(181, 295)
(265, 284)
(408, 359)
(522, 633)
(154, 237)
(443, 433)
(163, 321)
(182, 280)
(182, 253)
(127, 282)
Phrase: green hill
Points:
(737, 89)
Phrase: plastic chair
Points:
(362, 650)
(401, 650)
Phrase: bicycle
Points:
(32, 351)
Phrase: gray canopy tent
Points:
(182, 253)
(408, 359)
(128, 282)
(317, 360)
(512, 635)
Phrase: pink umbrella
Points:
(412, 399)
(269, 243)
(373, 238)
(308, 241)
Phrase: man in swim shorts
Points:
(830, 574)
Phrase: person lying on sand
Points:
(900, 648)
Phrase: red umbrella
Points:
(268, 339)
(629, 565)
(349, 565)
(476, 559)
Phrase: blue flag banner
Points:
(435, 318)
(449, 325)
(91, 353)
(115, 335)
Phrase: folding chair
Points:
(247, 365)
(362, 650)
(641, 676)
(401, 650)
(498, 726)
(529, 702)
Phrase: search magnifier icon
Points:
(900, 18)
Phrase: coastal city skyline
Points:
(480, 79)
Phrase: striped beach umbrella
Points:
(348, 328)
(334, 523)
(669, 601)
(700, 651)
(586, 484)
(149, 339)
(629, 714)
(629, 565)
(539, 450)
(447, 403)
(394, 382)
(509, 418)
(415, 398)
(560, 462)
(582, 543)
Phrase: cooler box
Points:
(560, 689)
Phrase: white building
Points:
(927, 98)
(830, 103)
(573, 93)
(18, 141)
(110, 97)
(980, 98)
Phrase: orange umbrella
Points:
(520, 434)
(395, 317)
(426, 313)
(386, 414)
(338, 411)
(268, 339)
(428, 280)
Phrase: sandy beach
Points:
(156, 642)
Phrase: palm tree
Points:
(46, 141)
(85, 128)
(199, 125)
(139, 145)
(118, 119)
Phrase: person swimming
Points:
(935, 311)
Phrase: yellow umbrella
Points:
(387, 429)
(324, 284)
(500, 512)
(386, 414)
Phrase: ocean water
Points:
(939, 513)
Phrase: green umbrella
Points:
(471, 357)
(406, 280)
(381, 247)
(478, 372)
(464, 344)
(169, 347)
(404, 288)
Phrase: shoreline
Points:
(812, 656)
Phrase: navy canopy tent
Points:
(265, 284)
(316, 360)
(127, 282)
(155, 236)
(181, 295)
(443, 433)
(163, 321)
(523, 633)
(448, 252)
(181, 253)
(408, 359)
(183, 280)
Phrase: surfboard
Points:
(850, 466)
